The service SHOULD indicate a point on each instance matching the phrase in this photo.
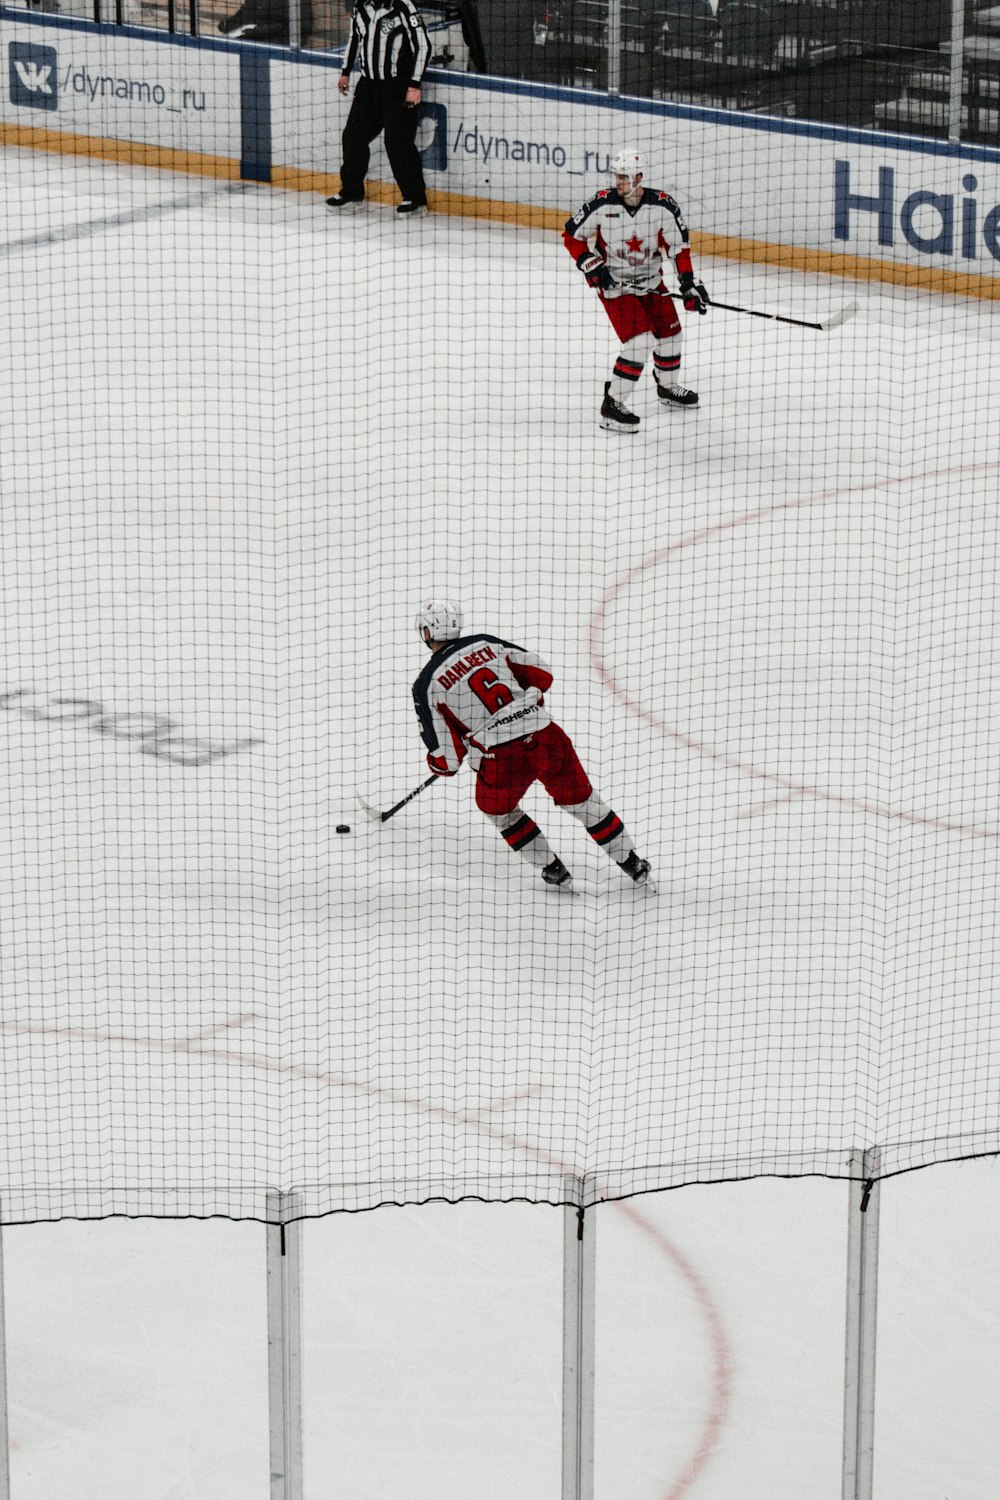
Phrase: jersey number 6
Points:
(490, 690)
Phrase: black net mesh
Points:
(242, 440)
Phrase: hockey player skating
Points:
(482, 696)
(620, 240)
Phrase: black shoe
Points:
(676, 395)
(614, 416)
(635, 868)
(556, 873)
(339, 201)
(410, 206)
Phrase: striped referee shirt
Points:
(389, 40)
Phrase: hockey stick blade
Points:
(369, 811)
(844, 316)
(383, 817)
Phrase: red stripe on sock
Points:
(522, 833)
(608, 829)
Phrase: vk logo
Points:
(34, 76)
(432, 136)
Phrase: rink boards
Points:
(816, 197)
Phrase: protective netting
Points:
(240, 442)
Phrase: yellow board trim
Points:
(524, 216)
(125, 153)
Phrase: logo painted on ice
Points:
(929, 221)
(33, 72)
(432, 136)
(152, 734)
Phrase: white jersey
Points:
(479, 692)
(634, 243)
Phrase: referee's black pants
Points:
(382, 106)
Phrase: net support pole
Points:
(862, 1286)
(284, 1344)
(4, 1429)
(579, 1305)
(614, 46)
(295, 24)
(955, 72)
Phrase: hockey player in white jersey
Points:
(621, 240)
(483, 697)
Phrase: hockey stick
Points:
(383, 817)
(834, 321)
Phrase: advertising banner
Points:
(739, 178)
(162, 92)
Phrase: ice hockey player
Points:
(620, 240)
(483, 697)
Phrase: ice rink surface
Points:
(240, 443)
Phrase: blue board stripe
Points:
(255, 117)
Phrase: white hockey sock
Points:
(524, 836)
(604, 826)
(667, 360)
(629, 366)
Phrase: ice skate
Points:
(410, 209)
(556, 873)
(635, 868)
(338, 201)
(614, 416)
(676, 395)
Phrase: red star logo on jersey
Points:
(634, 245)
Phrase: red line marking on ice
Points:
(722, 1371)
(761, 807)
(534, 1091)
(722, 1361)
(732, 763)
(223, 1026)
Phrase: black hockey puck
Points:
(343, 827)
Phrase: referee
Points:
(390, 43)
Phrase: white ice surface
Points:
(193, 527)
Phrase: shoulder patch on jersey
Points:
(671, 204)
(584, 212)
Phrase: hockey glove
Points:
(439, 765)
(694, 294)
(597, 273)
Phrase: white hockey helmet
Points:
(440, 619)
(629, 163)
